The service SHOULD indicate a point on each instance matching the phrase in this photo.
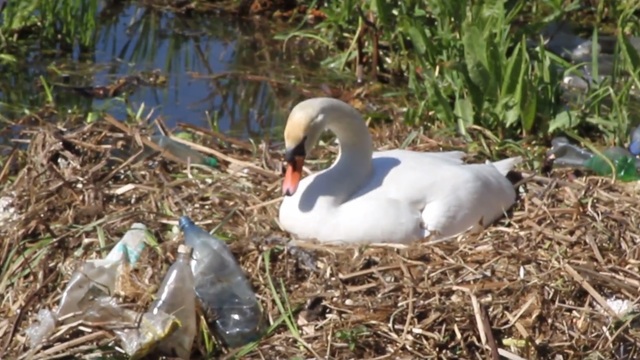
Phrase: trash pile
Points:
(560, 38)
(614, 159)
(204, 269)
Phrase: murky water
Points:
(221, 73)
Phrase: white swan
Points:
(394, 196)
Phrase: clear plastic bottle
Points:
(181, 151)
(634, 145)
(222, 287)
(565, 154)
(176, 296)
(99, 277)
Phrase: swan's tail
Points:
(506, 165)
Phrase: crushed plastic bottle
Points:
(168, 325)
(143, 331)
(222, 287)
(176, 296)
(565, 154)
(634, 145)
(180, 151)
(92, 279)
(138, 333)
(101, 275)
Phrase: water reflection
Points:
(222, 73)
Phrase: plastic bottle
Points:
(565, 154)
(176, 296)
(99, 276)
(222, 287)
(624, 162)
(88, 294)
(179, 150)
(634, 145)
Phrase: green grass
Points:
(68, 21)
(285, 308)
(468, 63)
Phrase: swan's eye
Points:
(297, 151)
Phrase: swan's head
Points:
(305, 124)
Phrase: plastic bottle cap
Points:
(184, 221)
(184, 249)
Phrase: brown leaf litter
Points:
(535, 286)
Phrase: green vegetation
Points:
(38, 70)
(463, 64)
(38, 31)
(469, 62)
(471, 66)
(52, 22)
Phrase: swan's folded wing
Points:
(451, 157)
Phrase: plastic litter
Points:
(560, 38)
(42, 328)
(180, 151)
(222, 287)
(101, 275)
(151, 329)
(93, 279)
(634, 145)
(565, 154)
(176, 296)
(138, 333)
(204, 269)
(7, 209)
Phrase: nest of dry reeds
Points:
(544, 283)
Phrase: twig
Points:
(222, 156)
(367, 271)
(509, 355)
(23, 310)
(596, 296)
(265, 203)
(410, 310)
(72, 343)
(476, 311)
(490, 339)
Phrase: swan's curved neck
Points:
(353, 166)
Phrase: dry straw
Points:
(534, 286)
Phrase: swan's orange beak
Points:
(292, 175)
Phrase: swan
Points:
(393, 196)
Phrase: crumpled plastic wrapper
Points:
(88, 297)
(138, 334)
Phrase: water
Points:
(221, 73)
